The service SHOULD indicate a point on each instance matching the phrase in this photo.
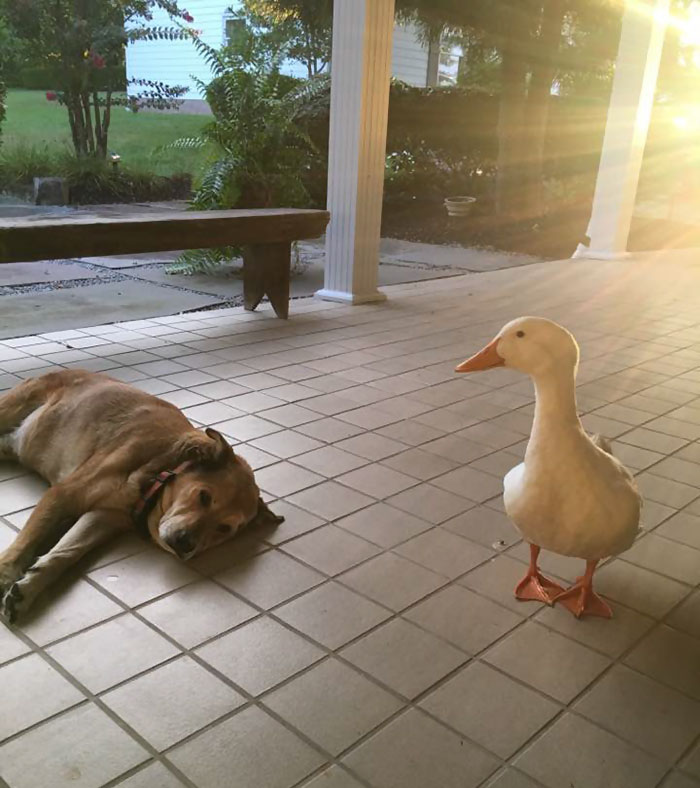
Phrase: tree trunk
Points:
(537, 108)
(510, 130)
(77, 123)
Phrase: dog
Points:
(117, 459)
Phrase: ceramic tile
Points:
(153, 776)
(647, 592)
(384, 525)
(111, 653)
(553, 761)
(670, 657)
(260, 655)
(330, 549)
(332, 614)
(485, 526)
(463, 618)
(430, 503)
(659, 720)
(686, 616)
(490, 708)
(330, 500)
(404, 657)
(333, 705)
(547, 661)
(270, 578)
(444, 553)
(61, 742)
(438, 756)
(241, 746)
(284, 478)
(377, 481)
(679, 562)
(392, 581)
(142, 577)
(197, 612)
(33, 691)
(172, 702)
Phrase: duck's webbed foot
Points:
(535, 586)
(581, 599)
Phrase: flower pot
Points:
(459, 206)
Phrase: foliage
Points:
(82, 43)
(525, 48)
(305, 24)
(5, 39)
(44, 78)
(90, 180)
(257, 150)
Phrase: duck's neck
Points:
(555, 404)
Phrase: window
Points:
(450, 61)
(233, 26)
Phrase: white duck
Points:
(569, 495)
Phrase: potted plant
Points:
(459, 206)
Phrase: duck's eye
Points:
(223, 528)
(520, 334)
(205, 498)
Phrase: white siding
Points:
(410, 57)
(175, 62)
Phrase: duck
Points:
(570, 495)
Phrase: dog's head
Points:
(211, 501)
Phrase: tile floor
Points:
(373, 639)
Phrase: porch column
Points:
(636, 71)
(360, 77)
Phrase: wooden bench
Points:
(265, 235)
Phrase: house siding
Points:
(177, 62)
(409, 61)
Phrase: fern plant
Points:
(258, 150)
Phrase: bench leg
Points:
(266, 269)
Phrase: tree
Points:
(82, 42)
(533, 39)
(305, 24)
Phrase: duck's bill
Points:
(484, 359)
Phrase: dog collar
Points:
(148, 499)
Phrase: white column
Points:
(360, 77)
(636, 70)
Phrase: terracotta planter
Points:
(459, 206)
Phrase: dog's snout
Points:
(182, 543)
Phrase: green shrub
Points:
(44, 78)
(90, 180)
(258, 152)
(3, 108)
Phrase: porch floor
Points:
(373, 639)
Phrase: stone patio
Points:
(373, 639)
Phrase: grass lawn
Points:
(33, 121)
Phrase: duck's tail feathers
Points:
(602, 443)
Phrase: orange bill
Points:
(484, 359)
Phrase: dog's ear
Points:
(205, 448)
(222, 450)
(265, 516)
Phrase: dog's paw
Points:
(8, 577)
(12, 604)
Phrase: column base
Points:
(586, 253)
(350, 298)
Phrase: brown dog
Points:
(116, 458)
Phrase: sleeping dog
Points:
(117, 458)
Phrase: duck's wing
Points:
(602, 443)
